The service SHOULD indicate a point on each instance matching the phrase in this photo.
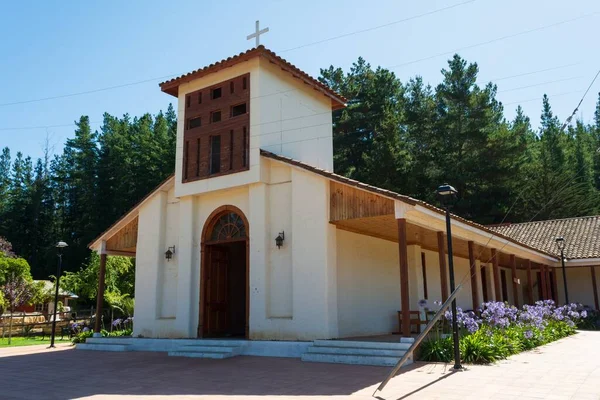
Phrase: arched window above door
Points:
(229, 226)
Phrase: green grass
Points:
(21, 341)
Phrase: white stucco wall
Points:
(149, 271)
(293, 119)
(368, 280)
(579, 285)
(293, 289)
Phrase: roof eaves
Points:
(396, 196)
(134, 209)
(171, 86)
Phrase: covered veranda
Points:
(490, 266)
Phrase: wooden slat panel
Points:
(125, 239)
(347, 202)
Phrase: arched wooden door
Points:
(224, 293)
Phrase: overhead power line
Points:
(325, 40)
(535, 72)
(568, 120)
(282, 51)
(495, 40)
(293, 118)
(538, 98)
(540, 84)
(378, 27)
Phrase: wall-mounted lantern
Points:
(279, 239)
(169, 253)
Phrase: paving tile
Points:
(567, 369)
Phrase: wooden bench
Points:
(415, 320)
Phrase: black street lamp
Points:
(447, 196)
(560, 242)
(60, 245)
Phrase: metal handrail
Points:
(419, 339)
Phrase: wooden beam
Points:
(542, 282)
(100, 294)
(529, 283)
(443, 270)
(403, 261)
(595, 287)
(472, 268)
(496, 270)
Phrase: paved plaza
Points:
(567, 369)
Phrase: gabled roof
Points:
(581, 234)
(401, 197)
(172, 86)
(133, 211)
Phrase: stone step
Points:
(362, 344)
(356, 351)
(202, 354)
(351, 359)
(103, 346)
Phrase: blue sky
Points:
(58, 48)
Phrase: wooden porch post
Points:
(474, 283)
(548, 283)
(542, 282)
(403, 262)
(443, 269)
(529, 283)
(513, 267)
(496, 269)
(554, 286)
(595, 287)
(100, 294)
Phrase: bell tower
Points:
(230, 110)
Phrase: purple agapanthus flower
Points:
(528, 334)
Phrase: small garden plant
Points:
(500, 330)
(120, 327)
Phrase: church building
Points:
(254, 237)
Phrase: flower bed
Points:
(500, 330)
(120, 327)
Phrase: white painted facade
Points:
(323, 282)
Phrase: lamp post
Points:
(447, 195)
(60, 246)
(560, 242)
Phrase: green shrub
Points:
(81, 337)
(477, 348)
(441, 350)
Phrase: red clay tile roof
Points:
(172, 86)
(581, 234)
(401, 197)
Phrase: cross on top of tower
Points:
(257, 33)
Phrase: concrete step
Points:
(350, 359)
(202, 354)
(356, 351)
(362, 344)
(103, 346)
(218, 350)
